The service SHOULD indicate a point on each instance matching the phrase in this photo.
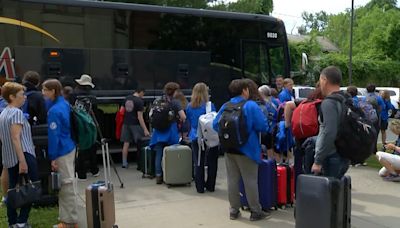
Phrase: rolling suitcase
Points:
(266, 186)
(323, 202)
(285, 182)
(177, 165)
(147, 162)
(100, 205)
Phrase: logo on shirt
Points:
(53, 126)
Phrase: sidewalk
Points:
(142, 203)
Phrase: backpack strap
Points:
(208, 107)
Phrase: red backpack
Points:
(305, 119)
(119, 120)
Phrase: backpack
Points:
(305, 119)
(369, 106)
(119, 121)
(205, 131)
(283, 138)
(356, 138)
(232, 126)
(161, 114)
(25, 106)
(272, 115)
(83, 128)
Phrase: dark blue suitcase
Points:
(267, 187)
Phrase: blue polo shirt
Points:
(192, 115)
(58, 120)
(256, 123)
(385, 111)
(285, 95)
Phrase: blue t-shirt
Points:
(385, 110)
(285, 95)
(192, 115)
(355, 101)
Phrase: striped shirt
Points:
(9, 116)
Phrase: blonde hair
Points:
(11, 88)
(199, 95)
(287, 81)
(395, 126)
(385, 94)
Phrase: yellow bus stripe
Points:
(11, 21)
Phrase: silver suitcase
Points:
(177, 165)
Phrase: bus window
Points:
(277, 61)
(255, 62)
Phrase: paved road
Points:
(142, 203)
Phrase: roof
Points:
(162, 9)
(325, 43)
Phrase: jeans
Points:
(159, 148)
(212, 161)
(89, 155)
(13, 175)
(335, 166)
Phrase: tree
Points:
(251, 6)
(314, 22)
(382, 4)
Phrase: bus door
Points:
(255, 61)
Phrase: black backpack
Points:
(232, 126)
(356, 138)
(162, 114)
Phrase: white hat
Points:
(85, 80)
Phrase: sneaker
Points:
(65, 225)
(96, 174)
(392, 177)
(125, 166)
(159, 179)
(3, 200)
(233, 215)
(255, 216)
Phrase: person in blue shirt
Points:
(287, 93)
(160, 139)
(377, 102)
(352, 90)
(194, 110)
(385, 114)
(243, 162)
(61, 150)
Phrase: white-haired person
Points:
(390, 161)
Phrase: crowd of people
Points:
(264, 116)
(23, 106)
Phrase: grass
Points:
(373, 162)
(38, 217)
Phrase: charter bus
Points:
(124, 46)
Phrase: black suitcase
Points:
(323, 202)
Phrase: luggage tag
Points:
(55, 181)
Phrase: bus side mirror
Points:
(304, 61)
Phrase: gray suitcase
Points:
(177, 165)
(323, 202)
